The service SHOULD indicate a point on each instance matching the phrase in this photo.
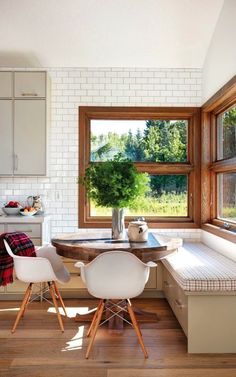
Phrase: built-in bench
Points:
(200, 286)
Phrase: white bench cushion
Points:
(196, 267)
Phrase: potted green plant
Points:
(117, 184)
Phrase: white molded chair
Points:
(46, 267)
(115, 275)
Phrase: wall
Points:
(219, 244)
(103, 86)
(220, 62)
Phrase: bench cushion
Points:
(196, 267)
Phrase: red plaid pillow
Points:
(20, 244)
(6, 264)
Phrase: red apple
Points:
(12, 204)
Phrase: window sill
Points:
(220, 232)
(152, 225)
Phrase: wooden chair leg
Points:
(22, 308)
(97, 321)
(94, 318)
(28, 299)
(59, 297)
(136, 328)
(52, 292)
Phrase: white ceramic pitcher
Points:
(138, 231)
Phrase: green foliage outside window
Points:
(161, 141)
(227, 134)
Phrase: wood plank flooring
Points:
(39, 349)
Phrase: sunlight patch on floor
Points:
(76, 342)
(72, 311)
(9, 309)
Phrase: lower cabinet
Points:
(18, 287)
(75, 287)
(177, 299)
(206, 317)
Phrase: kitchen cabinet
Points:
(30, 84)
(30, 137)
(23, 123)
(177, 299)
(6, 84)
(6, 136)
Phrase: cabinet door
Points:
(152, 281)
(31, 230)
(30, 84)
(30, 137)
(5, 84)
(6, 137)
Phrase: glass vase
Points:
(118, 223)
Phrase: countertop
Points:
(24, 219)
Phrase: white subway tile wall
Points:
(74, 87)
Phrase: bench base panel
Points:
(212, 324)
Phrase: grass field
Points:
(163, 206)
(228, 213)
(166, 205)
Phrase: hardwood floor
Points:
(39, 349)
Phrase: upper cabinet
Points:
(6, 84)
(23, 123)
(30, 85)
(30, 141)
(6, 136)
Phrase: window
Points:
(226, 194)
(219, 162)
(139, 140)
(163, 142)
(226, 151)
(167, 198)
(226, 134)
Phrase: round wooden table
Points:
(88, 245)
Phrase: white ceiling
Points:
(106, 33)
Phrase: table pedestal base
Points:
(116, 323)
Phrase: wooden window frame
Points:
(191, 167)
(221, 101)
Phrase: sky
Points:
(120, 127)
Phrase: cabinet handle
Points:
(15, 162)
(24, 230)
(29, 94)
(166, 284)
(178, 303)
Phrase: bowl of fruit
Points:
(28, 211)
(11, 208)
